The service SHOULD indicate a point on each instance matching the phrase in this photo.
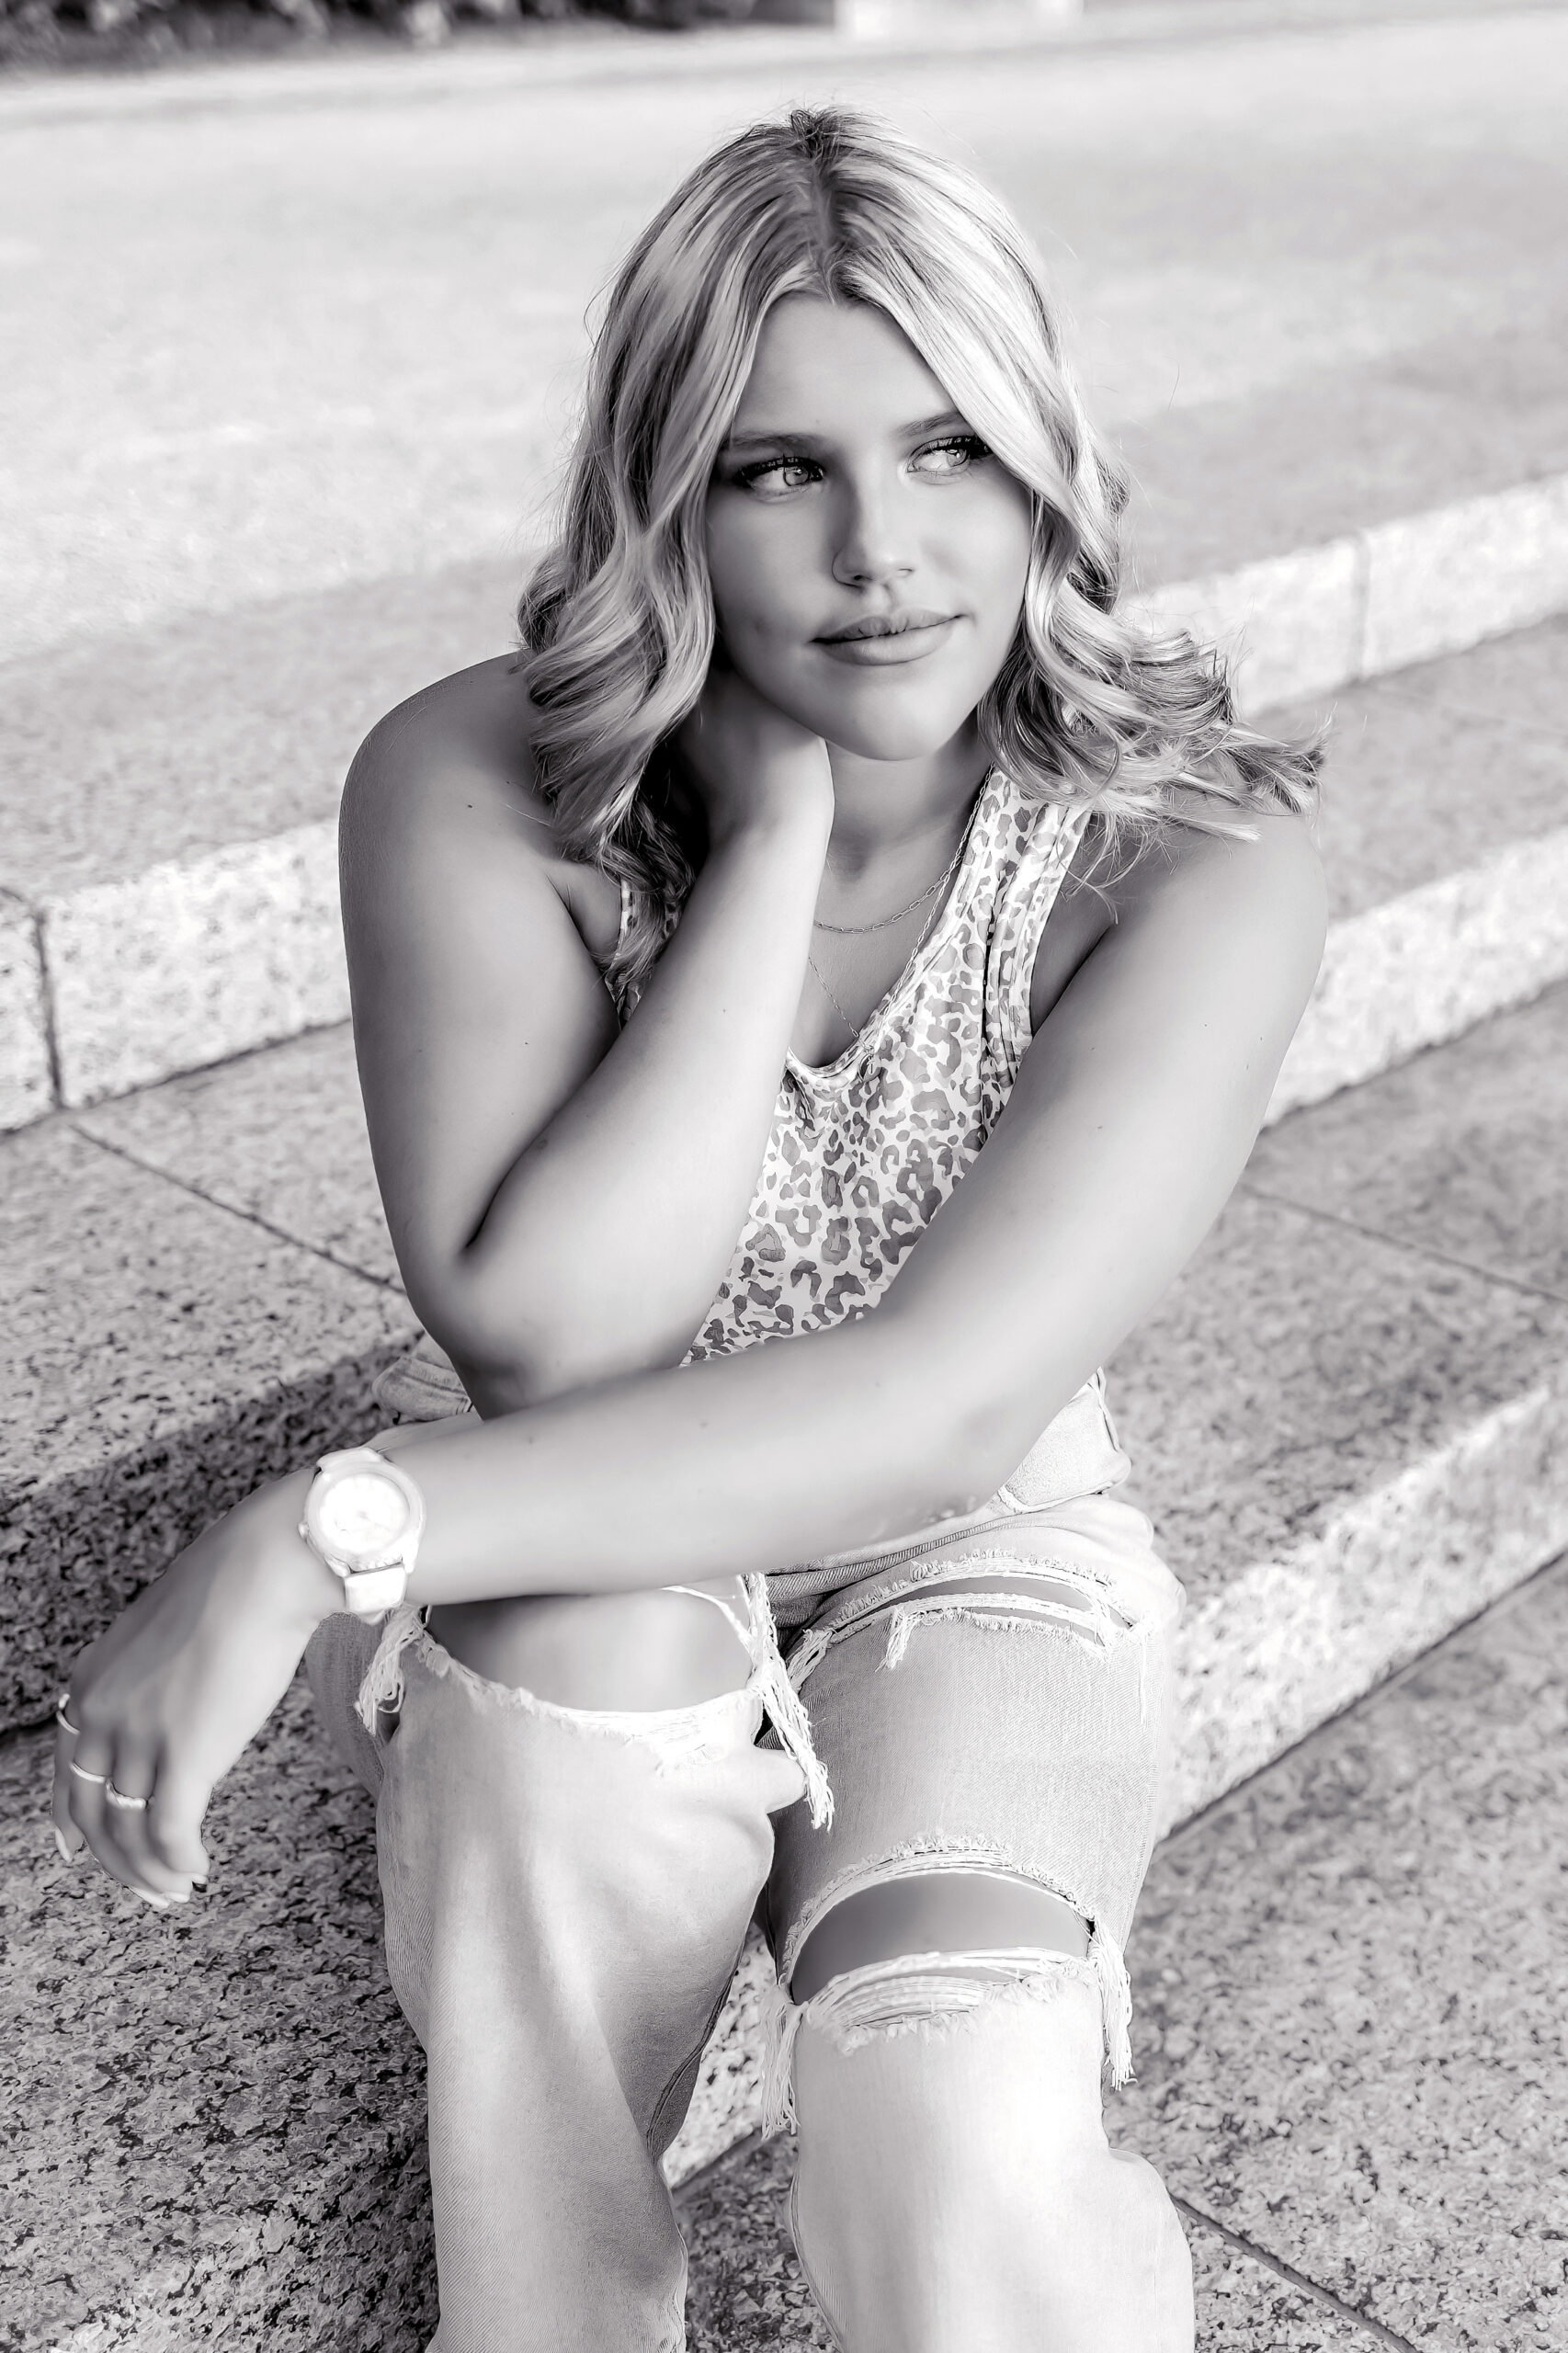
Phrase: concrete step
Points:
(1347, 423)
(1450, 901)
(1347, 1986)
(1350, 1423)
(178, 903)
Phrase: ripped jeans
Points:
(567, 1895)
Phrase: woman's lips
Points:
(878, 644)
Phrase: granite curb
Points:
(118, 983)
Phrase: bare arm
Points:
(564, 1200)
(1131, 1119)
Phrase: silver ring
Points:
(117, 1796)
(62, 1720)
(82, 1775)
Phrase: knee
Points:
(634, 1652)
(955, 2187)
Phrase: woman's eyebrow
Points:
(766, 438)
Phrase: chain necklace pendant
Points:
(845, 930)
(856, 930)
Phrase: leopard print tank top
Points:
(864, 1151)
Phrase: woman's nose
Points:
(875, 541)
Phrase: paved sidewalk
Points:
(254, 355)
(1350, 1982)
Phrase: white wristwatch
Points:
(364, 1517)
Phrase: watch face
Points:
(362, 1515)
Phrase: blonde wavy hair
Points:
(618, 622)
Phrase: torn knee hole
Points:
(1007, 1603)
(941, 1908)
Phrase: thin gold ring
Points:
(82, 1775)
(62, 1720)
(117, 1796)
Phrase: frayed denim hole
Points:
(924, 1582)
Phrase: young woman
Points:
(835, 867)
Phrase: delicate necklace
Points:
(845, 929)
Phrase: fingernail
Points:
(67, 1852)
(158, 1903)
(200, 1882)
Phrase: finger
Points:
(67, 1837)
(174, 1822)
(131, 1811)
(107, 1827)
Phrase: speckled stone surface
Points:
(1351, 1982)
(1399, 433)
(726, 2102)
(163, 1355)
(1465, 1158)
(189, 963)
(25, 1078)
(1349, 1421)
(219, 727)
(1433, 769)
(213, 2128)
(1401, 593)
(745, 2292)
(1296, 1366)
(1291, 624)
(1466, 572)
(279, 1134)
(1301, 336)
(1427, 966)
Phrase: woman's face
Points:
(867, 553)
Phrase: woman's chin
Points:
(883, 728)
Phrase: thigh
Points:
(1002, 1715)
(995, 1727)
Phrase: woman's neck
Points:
(892, 818)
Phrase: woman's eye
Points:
(952, 456)
(780, 474)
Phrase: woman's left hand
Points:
(162, 1703)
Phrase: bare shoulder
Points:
(446, 779)
(1191, 892)
(1258, 893)
(463, 736)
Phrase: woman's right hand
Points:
(750, 763)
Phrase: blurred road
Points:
(264, 353)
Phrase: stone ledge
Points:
(1428, 965)
(26, 1083)
(197, 959)
(1382, 599)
